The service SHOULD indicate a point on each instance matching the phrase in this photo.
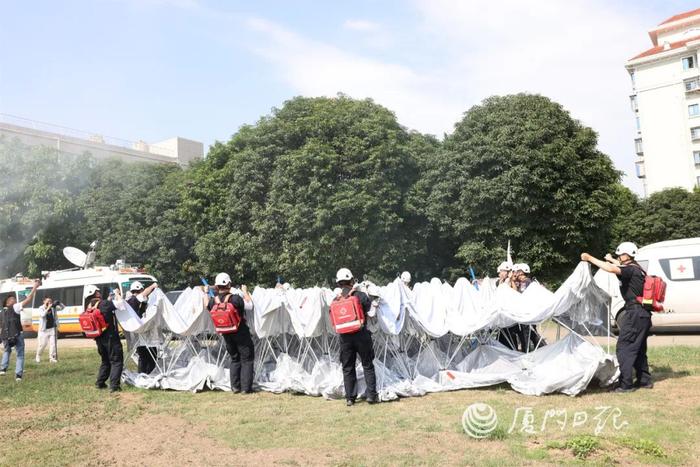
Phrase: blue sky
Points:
(152, 69)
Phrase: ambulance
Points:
(677, 262)
(68, 287)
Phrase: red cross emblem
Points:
(681, 269)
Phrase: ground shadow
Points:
(660, 373)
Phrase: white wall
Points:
(665, 124)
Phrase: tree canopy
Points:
(519, 167)
(324, 183)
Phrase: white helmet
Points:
(521, 267)
(343, 274)
(90, 290)
(504, 266)
(626, 248)
(136, 286)
(222, 280)
(406, 277)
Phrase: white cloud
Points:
(573, 52)
(313, 68)
(360, 25)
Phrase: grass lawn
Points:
(56, 417)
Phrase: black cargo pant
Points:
(109, 346)
(351, 345)
(634, 323)
(147, 362)
(530, 338)
(241, 349)
(510, 337)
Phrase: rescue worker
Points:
(406, 279)
(239, 344)
(138, 301)
(529, 339)
(504, 272)
(507, 336)
(520, 280)
(633, 320)
(11, 331)
(358, 343)
(109, 345)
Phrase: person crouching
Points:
(357, 343)
(239, 344)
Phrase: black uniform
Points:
(634, 323)
(109, 346)
(147, 362)
(240, 348)
(359, 343)
(522, 337)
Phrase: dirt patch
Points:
(158, 440)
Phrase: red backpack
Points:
(654, 294)
(347, 315)
(92, 321)
(225, 316)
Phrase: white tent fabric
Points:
(436, 337)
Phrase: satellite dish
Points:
(75, 256)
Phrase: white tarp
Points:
(435, 337)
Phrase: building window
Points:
(696, 158)
(692, 84)
(695, 133)
(688, 63)
(638, 146)
(632, 77)
(697, 180)
(639, 124)
(633, 103)
(639, 167)
(693, 110)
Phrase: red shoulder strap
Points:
(226, 299)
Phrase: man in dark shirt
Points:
(239, 344)
(633, 321)
(358, 343)
(11, 331)
(138, 301)
(109, 346)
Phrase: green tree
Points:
(519, 167)
(319, 184)
(133, 210)
(670, 214)
(37, 195)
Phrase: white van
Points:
(678, 263)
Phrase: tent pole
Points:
(609, 316)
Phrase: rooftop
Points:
(681, 16)
(666, 47)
